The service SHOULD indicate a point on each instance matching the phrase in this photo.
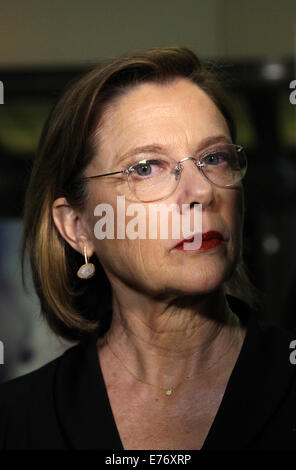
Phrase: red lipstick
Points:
(210, 240)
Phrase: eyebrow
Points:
(204, 143)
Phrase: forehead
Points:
(154, 98)
(165, 114)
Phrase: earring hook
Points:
(85, 255)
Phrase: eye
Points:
(217, 158)
(147, 168)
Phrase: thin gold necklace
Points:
(168, 391)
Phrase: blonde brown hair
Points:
(73, 307)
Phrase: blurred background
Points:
(44, 45)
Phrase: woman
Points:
(167, 358)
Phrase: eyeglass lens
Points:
(157, 178)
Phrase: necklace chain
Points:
(168, 391)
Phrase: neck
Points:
(167, 342)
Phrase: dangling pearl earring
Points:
(87, 270)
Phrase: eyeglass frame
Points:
(178, 169)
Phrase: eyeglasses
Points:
(157, 178)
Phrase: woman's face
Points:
(177, 118)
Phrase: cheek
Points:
(234, 213)
(133, 262)
(239, 208)
(123, 255)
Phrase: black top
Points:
(65, 405)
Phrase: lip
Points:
(213, 235)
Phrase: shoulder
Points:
(259, 408)
(268, 349)
(27, 408)
(277, 343)
(25, 384)
(33, 390)
(262, 333)
(15, 389)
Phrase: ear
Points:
(71, 226)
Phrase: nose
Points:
(193, 186)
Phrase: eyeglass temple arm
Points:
(105, 174)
